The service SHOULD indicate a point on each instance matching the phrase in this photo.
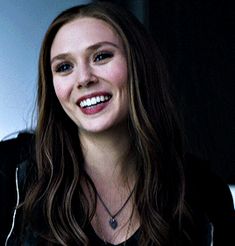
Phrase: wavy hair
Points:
(153, 126)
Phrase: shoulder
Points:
(16, 149)
(13, 153)
(22, 141)
(208, 193)
(205, 187)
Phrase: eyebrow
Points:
(93, 47)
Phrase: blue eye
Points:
(102, 56)
(63, 67)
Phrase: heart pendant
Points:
(113, 223)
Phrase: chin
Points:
(99, 128)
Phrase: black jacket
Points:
(207, 195)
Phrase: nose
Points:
(85, 76)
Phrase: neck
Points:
(104, 152)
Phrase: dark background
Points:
(197, 40)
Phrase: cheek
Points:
(119, 75)
(61, 91)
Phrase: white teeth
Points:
(93, 101)
(88, 102)
(98, 99)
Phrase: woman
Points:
(109, 160)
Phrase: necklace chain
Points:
(113, 222)
(113, 216)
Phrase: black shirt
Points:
(97, 241)
(206, 193)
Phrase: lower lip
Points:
(94, 109)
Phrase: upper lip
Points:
(95, 94)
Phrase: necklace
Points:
(129, 221)
(113, 221)
(128, 228)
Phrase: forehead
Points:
(83, 32)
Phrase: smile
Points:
(94, 101)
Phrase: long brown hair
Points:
(153, 128)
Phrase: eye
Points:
(102, 56)
(63, 67)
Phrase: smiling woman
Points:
(90, 74)
(106, 165)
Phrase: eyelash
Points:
(63, 67)
(102, 56)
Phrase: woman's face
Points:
(89, 69)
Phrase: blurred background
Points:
(197, 40)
